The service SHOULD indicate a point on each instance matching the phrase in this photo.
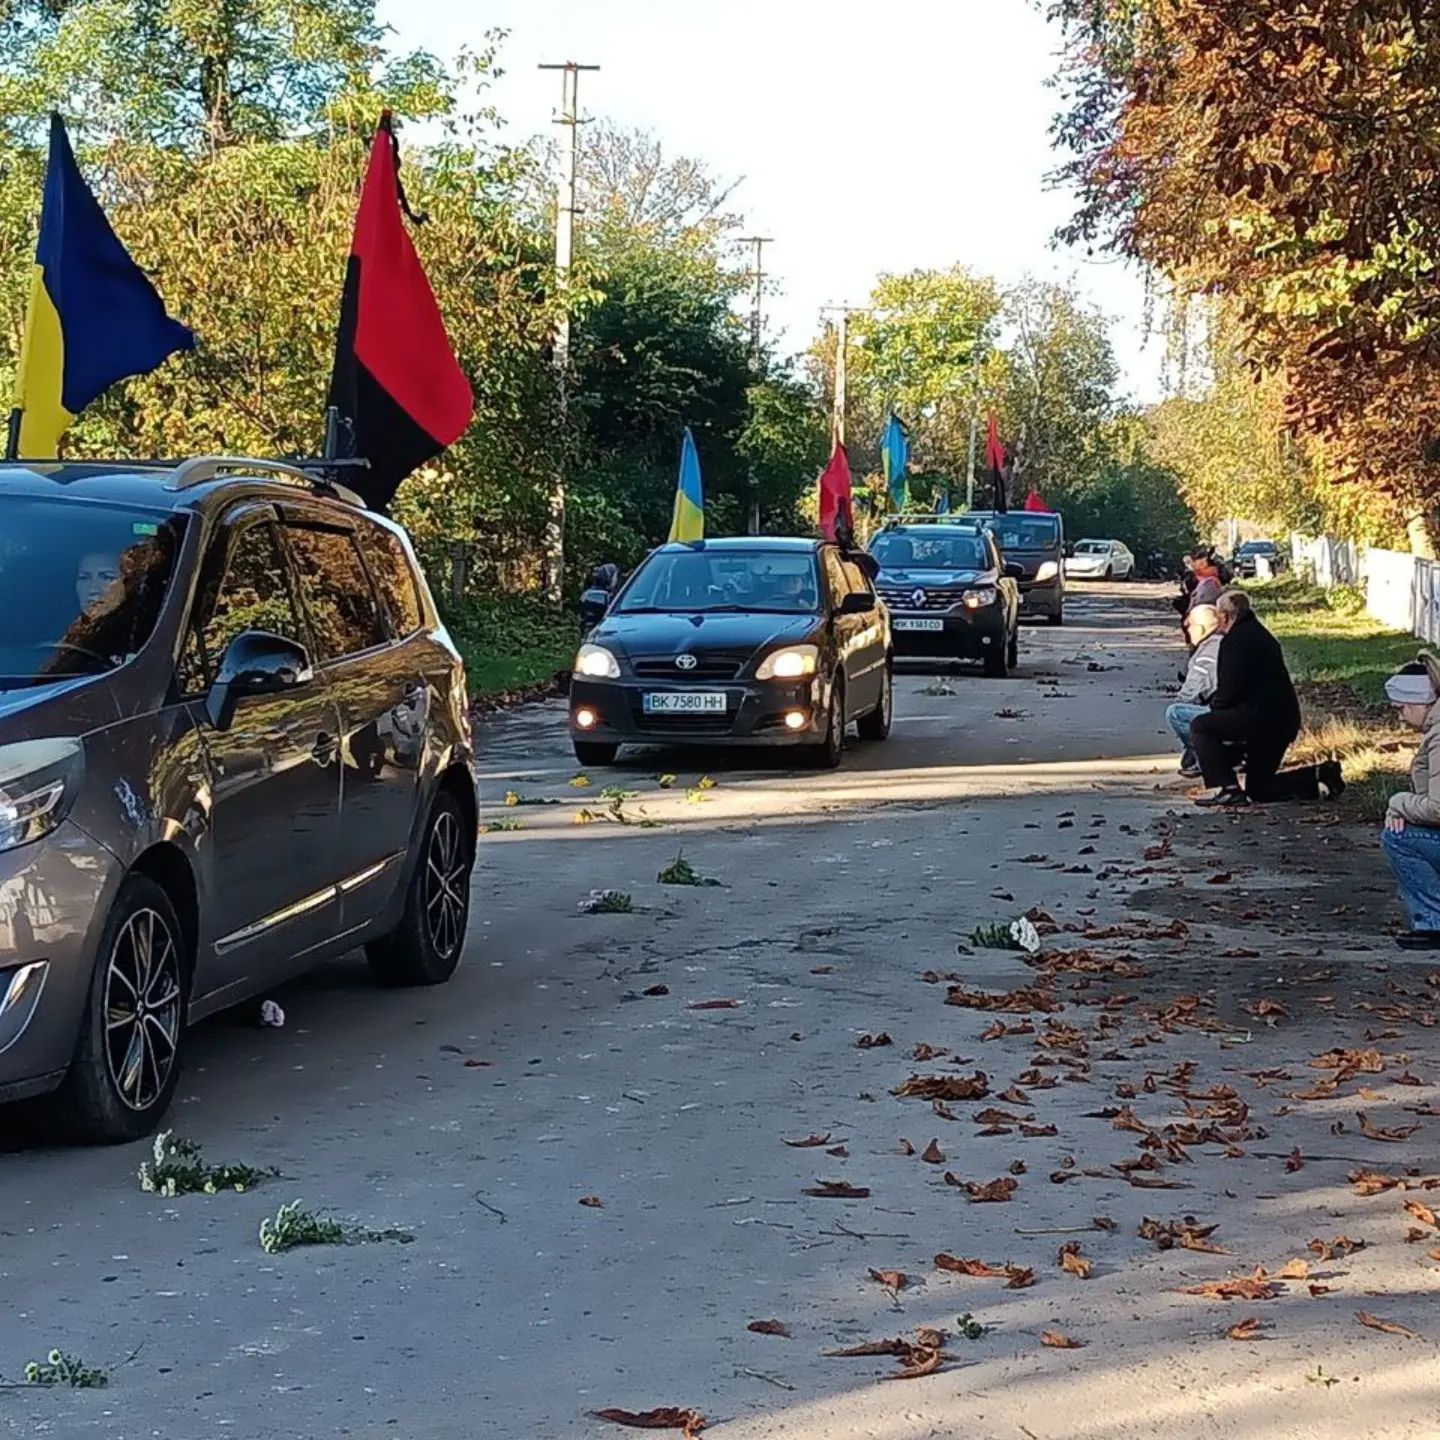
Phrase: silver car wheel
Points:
(142, 1009)
(446, 886)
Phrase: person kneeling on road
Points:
(1254, 710)
(1202, 630)
(1411, 837)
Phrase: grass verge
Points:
(1339, 657)
(511, 643)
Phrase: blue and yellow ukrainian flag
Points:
(895, 460)
(93, 318)
(688, 521)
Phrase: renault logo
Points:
(918, 598)
(685, 662)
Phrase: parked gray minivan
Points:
(234, 742)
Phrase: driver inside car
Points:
(96, 581)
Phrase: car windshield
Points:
(1025, 532)
(1093, 547)
(697, 581)
(952, 551)
(1258, 547)
(81, 585)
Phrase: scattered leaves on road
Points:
(809, 1142)
(713, 1005)
(945, 1087)
(593, 1202)
(1387, 1327)
(873, 1042)
(932, 1154)
(1247, 1329)
(837, 1190)
(664, 1417)
(1056, 1340)
(769, 1327)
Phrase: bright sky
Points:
(912, 133)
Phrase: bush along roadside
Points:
(516, 648)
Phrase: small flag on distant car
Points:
(837, 510)
(995, 464)
(93, 318)
(687, 522)
(397, 387)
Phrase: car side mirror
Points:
(255, 662)
(857, 604)
(593, 605)
(1014, 569)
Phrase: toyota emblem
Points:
(917, 598)
(685, 662)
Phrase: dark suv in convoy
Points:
(760, 641)
(948, 591)
(233, 743)
(1035, 541)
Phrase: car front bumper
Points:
(963, 634)
(54, 896)
(1041, 597)
(754, 713)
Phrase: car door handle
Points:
(323, 750)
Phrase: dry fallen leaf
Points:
(808, 1141)
(905, 1147)
(1247, 1287)
(932, 1154)
(991, 1192)
(871, 1042)
(1340, 1245)
(890, 1279)
(918, 1361)
(1294, 1161)
(1072, 1262)
(593, 1201)
(667, 1417)
(839, 1152)
(769, 1327)
(1247, 1329)
(836, 1190)
(872, 1347)
(1294, 1270)
(1388, 1327)
(945, 1087)
(1372, 1182)
(1383, 1132)
(1056, 1341)
(1315, 1289)
(1422, 1213)
(713, 1005)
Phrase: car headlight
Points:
(596, 662)
(38, 783)
(977, 599)
(792, 663)
(1048, 570)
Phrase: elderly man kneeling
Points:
(1202, 630)
(1411, 838)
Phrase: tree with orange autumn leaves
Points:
(1281, 155)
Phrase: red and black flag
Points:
(995, 465)
(400, 394)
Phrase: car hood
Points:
(71, 706)
(673, 632)
(935, 579)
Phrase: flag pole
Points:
(12, 434)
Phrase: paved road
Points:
(480, 1116)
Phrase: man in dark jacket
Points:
(1253, 712)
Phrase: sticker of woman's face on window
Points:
(97, 582)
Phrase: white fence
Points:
(1401, 591)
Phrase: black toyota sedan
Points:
(949, 593)
(751, 641)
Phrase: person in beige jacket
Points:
(1411, 838)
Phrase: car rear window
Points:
(935, 552)
(1026, 532)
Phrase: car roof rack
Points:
(309, 473)
(962, 521)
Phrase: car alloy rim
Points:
(446, 890)
(142, 1008)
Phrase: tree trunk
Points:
(1424, 535)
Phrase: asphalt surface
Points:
(481, 1118)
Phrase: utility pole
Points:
(974, 426)
(842, 340)
(565, 211)
(757, 340)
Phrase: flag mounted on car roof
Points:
(995, 464)
(687, 520)
(837, 506)
(93, 317)
(398, 390)
(895, 458)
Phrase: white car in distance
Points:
(1100, 560)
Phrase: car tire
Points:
(996, 664)
(120, 1081)
(1109, 572)
(1012, 651)
(876, 725)
(425, 947)
(829, 752)
(1058, 618)
(595, 752)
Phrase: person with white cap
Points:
(1411, 837)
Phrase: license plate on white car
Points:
(685, 702)
(917, 624)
